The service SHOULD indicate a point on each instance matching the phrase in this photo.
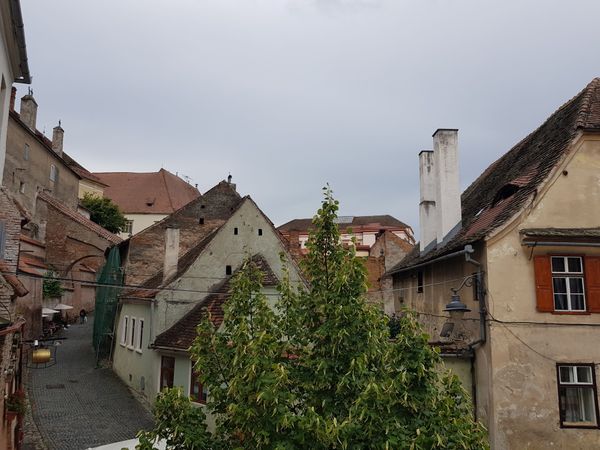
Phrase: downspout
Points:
(474, 385)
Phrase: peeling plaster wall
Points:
(524, 356)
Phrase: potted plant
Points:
(14, 404)
(51, 286)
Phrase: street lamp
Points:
(456, 307)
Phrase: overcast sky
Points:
(290, 94)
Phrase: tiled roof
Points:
(147, 193)
(560, 233)
(182, 334)
(102, 232)
(11, 278)
(80, 170)
(383, 221)
(502, 189)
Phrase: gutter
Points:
(467, 250)
(19, 28)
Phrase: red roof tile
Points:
(181, 335)
(147, 193)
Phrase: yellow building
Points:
(520, 249)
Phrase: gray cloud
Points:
(291, 95)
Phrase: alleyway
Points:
(77, 406)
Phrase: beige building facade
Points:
(527, 255)
(156, 323)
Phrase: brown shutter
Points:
(543, 283)
(591, 266)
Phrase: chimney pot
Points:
(58, 135)
(28, 112)
(447, 189)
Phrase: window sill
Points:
(578, 425)
(572, 313)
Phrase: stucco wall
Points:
(141, 222)
(525, 392)
(7, 76)
(35, 172)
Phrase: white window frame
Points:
(132, 333)
(568, 276)
(576, 383)
(140, 336)
(124, 330)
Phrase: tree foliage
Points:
(51, 285)
(319, 370)
(104, 212)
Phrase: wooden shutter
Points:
(543, 283)
(591, 265)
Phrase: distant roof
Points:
(80, 170)
(92, 226)
(181, 335)
(348, 222)
(502, 189)
(147, 192)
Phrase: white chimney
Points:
(427, 218)
(171, 253)
(28, 112)
(447, 196)
(58, 135)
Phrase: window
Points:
(235, 231)
(132, 335)
(260, 231)
(167, 371)
(227, 270)
(201, 221)
(198, 392)
(420, 281)
(53, 172)
(22, 187)
(124, 330)
(128, 227)
(577, 395)
(140, 337)
(26, 152)
(567, 283)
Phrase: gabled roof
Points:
(502, 189)
(382, 221)
(182, 334)
(147, 193)
(92, 226)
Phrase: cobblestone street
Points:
(75, 405)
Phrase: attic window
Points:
(201, 221)
(227, 270)
(149, 202)
(260, 231)
(506, 191)
(235, 231)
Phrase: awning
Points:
(48, 311)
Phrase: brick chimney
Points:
(427, 212)
(28, 111)
(171, 252)
(13, 96)
(447, 195)
(58, 135)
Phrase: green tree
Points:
(319, 370)
(51, 285)
(104, 212)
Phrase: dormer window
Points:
(508, 190)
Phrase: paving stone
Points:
(76, 405)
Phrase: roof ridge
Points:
(585, 109)
(162, 171)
